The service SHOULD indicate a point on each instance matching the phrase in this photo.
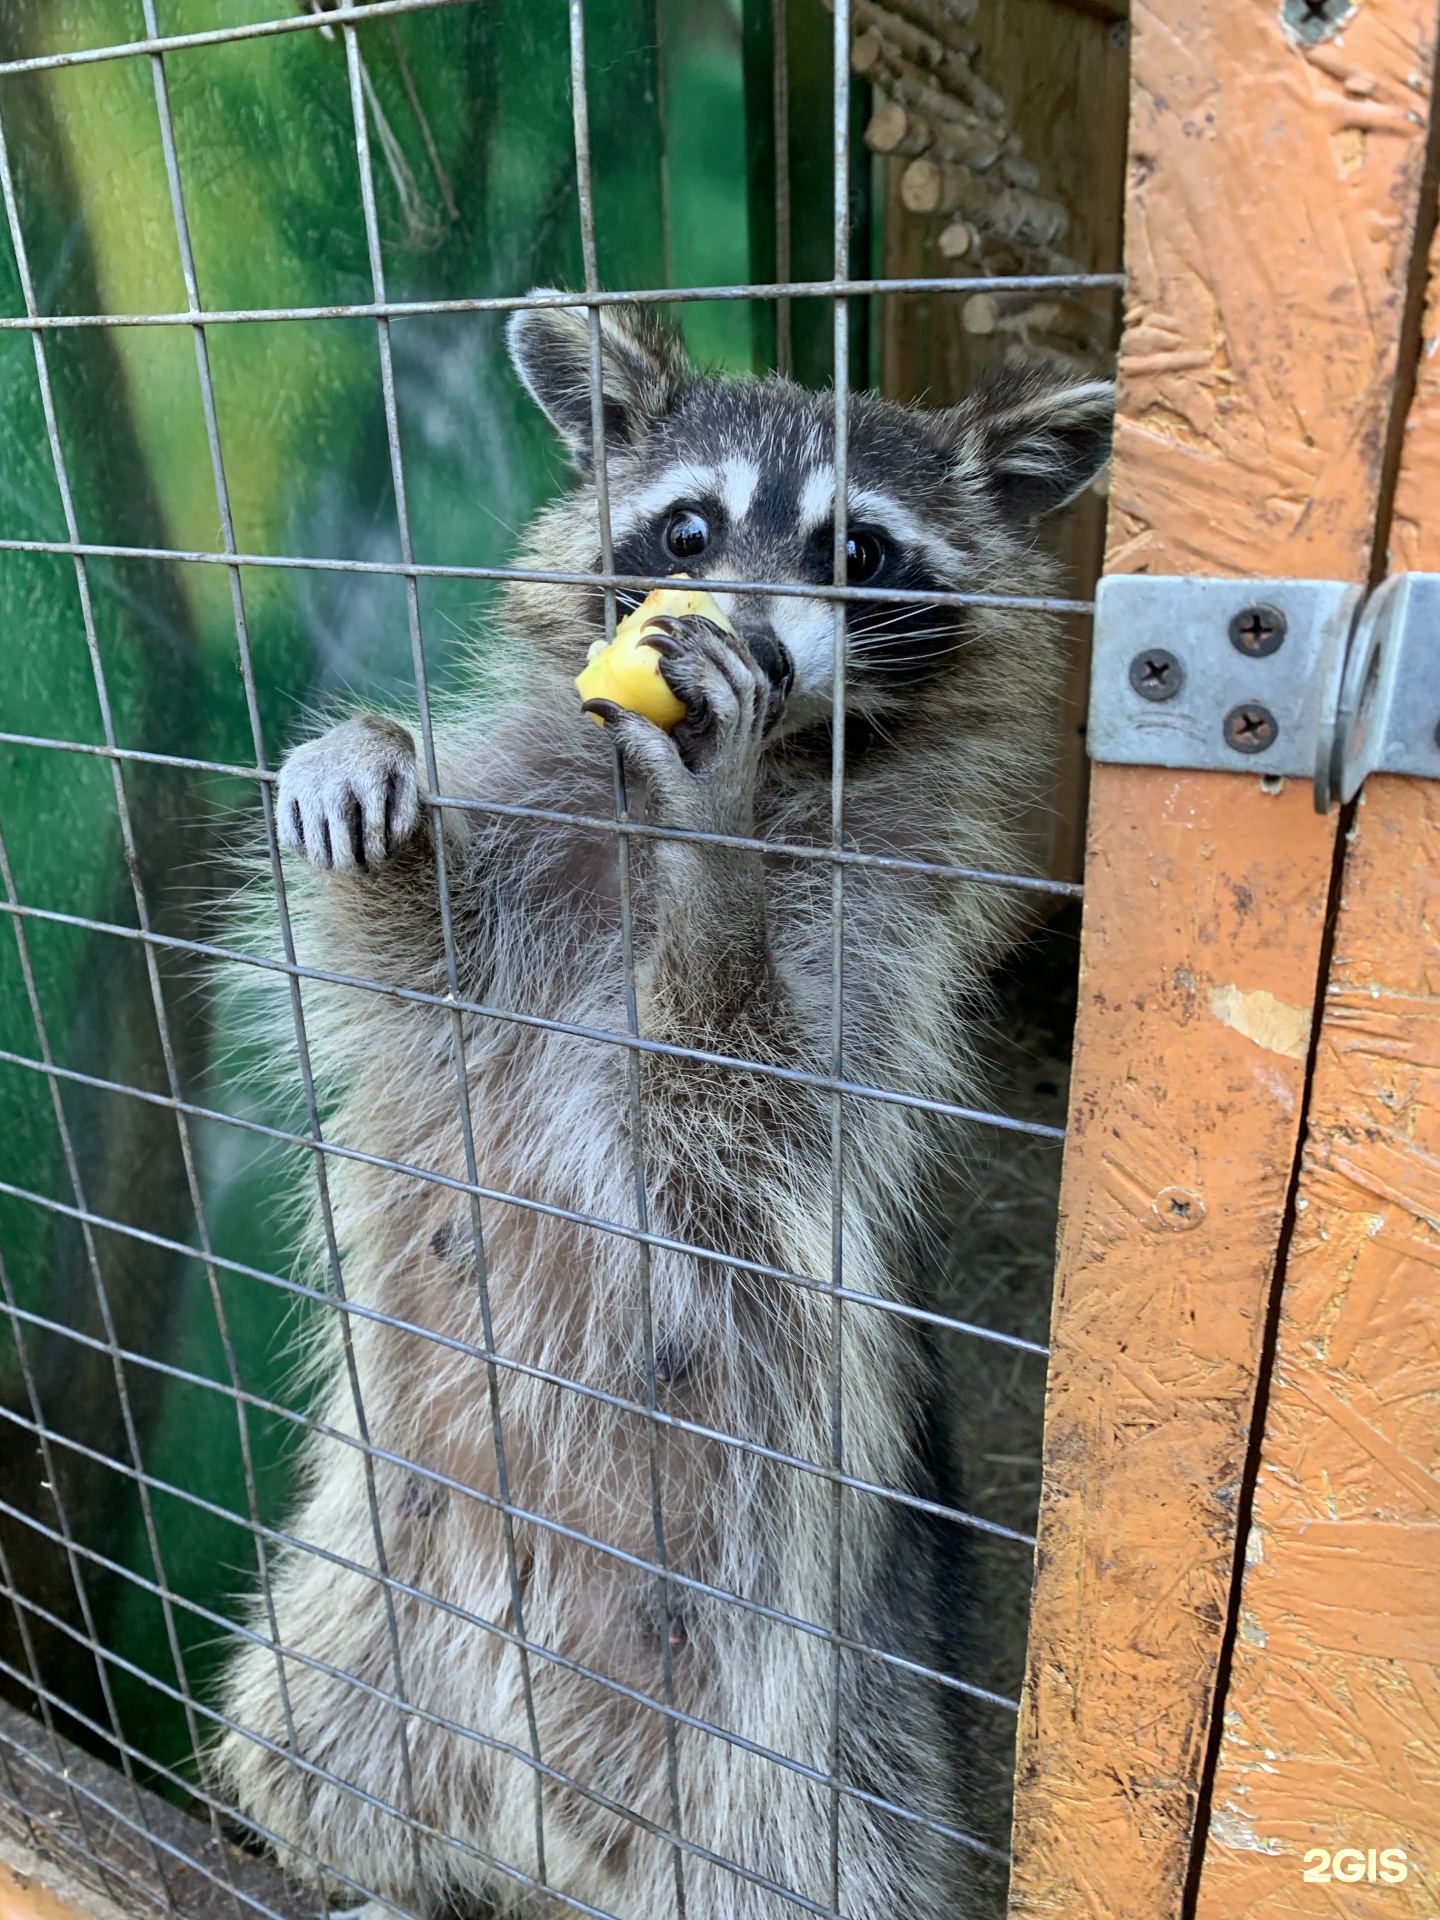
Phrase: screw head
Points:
(1314, 20)
(1178, 1208)
(1250, 728)
(1156, 674)
(1257, 631)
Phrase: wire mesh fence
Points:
(627, 1747)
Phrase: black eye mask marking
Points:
(649, 549)
(890, 644)
(895, 644)
(636, 553)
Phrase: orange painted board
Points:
(1332, 1717)
(1415, 527)
(23, 1897)
(1270, 227)
(1271, 220)
(1205, 903)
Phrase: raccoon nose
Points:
(772, 658)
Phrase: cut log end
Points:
(887, 126)
(922, 186)
(866, 52)
(980, 313)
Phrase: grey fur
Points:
(734, 956)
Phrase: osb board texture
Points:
(1063, 76)
(1268, 244)
(1332, 1718)
(1204, 906)
(1270, 221)
(1332, 1722)
(1415, 529)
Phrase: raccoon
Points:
(712, 1699)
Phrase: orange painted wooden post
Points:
(1271, 220)
(1332, 1716)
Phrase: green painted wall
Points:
(476, 192)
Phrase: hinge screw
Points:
(1156, 674)
(1315, 20)
(1257, 631)
(1251, 728)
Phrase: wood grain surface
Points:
(1063, 73)
(1332, 1717)
(1271, 218)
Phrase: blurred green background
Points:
(470, 130)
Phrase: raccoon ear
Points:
(1034, 436)
(643, 371)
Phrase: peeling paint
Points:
(1251, 1631)
(1237, 1834)
(1270, 1023)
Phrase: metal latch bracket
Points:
(1303, 679)
(1389, 713)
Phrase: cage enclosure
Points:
(534, 1361)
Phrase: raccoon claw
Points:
(349, 800)
(727, 695)
(695, 729)
(702, 773)
(661, 639)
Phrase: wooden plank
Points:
(25, 1896)
(1202, 892)
(1332, 1717)
(1415, 529)
(1062, 73)
(1270, 230)
(101, 1845)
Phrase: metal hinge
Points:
(1295, 679)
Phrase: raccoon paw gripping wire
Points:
(626, 672)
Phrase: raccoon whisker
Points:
(882, 617)
(866, 622)
(905, 635)
(908, 645)
(941, 631)
(910, 657)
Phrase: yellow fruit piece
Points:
(628, 670)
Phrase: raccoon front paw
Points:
(351, 799)
(702, 773)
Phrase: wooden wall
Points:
(1063, 71)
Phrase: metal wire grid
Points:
(346, 16)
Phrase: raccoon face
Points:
(733, 479)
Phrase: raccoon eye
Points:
(864, 556)
(687, 533)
